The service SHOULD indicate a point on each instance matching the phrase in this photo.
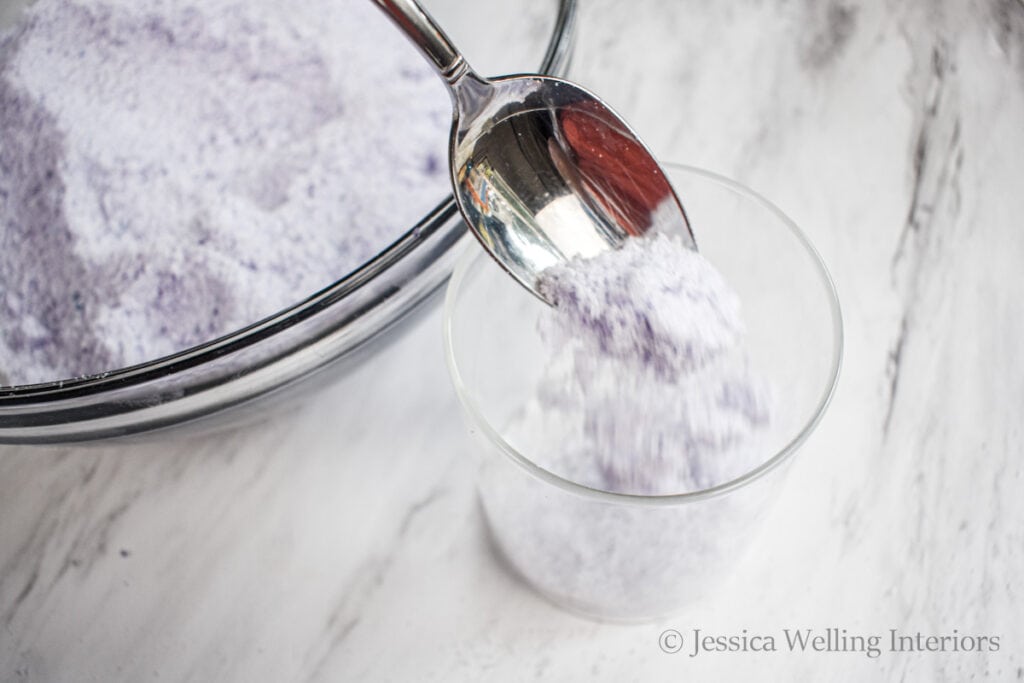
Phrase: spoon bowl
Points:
(543, 170)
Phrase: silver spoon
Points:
(543, 170)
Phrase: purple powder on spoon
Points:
(653, 302)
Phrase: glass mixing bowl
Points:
(280, 354)
(636, 557)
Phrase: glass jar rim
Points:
(474, 255)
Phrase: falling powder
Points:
(649, 390)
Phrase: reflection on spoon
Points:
(543, 170)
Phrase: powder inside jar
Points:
(643, 387)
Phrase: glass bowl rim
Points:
(474, 255)
(556, 58)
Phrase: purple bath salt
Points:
(653, 302)
(645, 388)
(173, 171)
(648, 388)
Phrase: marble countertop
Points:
(343, 540)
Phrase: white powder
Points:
(649, 390)
(172, 171)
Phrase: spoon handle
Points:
(414, 21)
